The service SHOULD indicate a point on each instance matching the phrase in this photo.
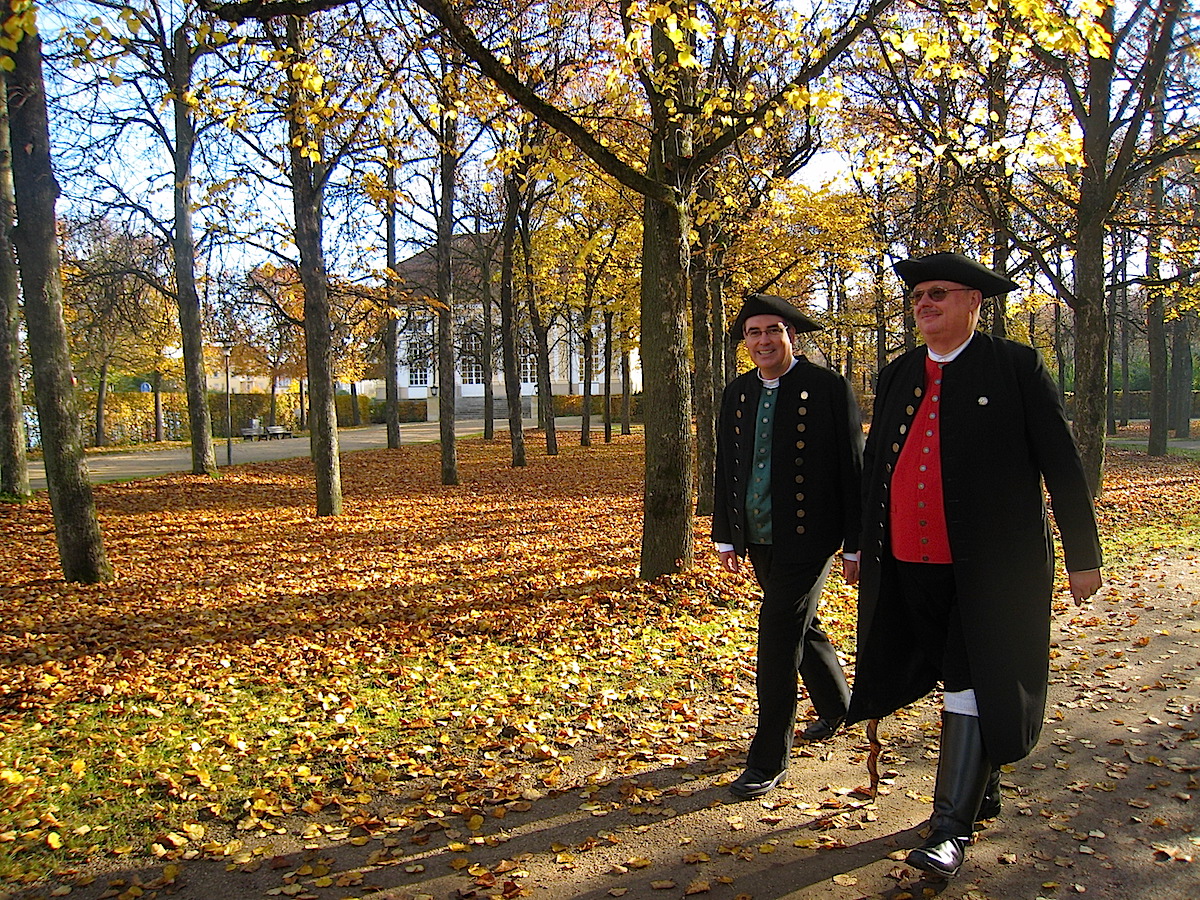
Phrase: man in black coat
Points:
(957, 561)
(788, 470)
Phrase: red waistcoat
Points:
(917, 511)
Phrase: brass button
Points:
(895, 448)
(799, 529)
(801, 427)
(799, 445)
(916, 393)
(910, 409)
(803, 410)
(903, 429)
(800, 498)
(799, 479)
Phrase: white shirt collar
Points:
(771, 383)
(953, 354)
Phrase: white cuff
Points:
(960, 702)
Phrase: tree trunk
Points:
(1182, 372)
(308, 200)
(159, 424)
(541, 337)
(99, 438)
(14, 468)
(508, 319)
(1091, 329)
(608, 361)
(488, 344)
(76, 526)
(589, 341)
(666, 387)
(1119, 260)
(355, 408)
(447, 390)
(1156, 328)
(705, 395)
(183, 247)
(391, 330)
(626, 387)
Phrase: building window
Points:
(471, 364)
(529, 369)
(418, 367)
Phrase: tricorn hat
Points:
(770, 305)
(953, 267)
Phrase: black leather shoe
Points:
(755, 783)
(821, 729)
(942, 854)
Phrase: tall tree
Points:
(154, 50)
(14, 471)
(76, 525)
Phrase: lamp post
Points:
(227, 349)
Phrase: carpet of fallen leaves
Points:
(255, 670)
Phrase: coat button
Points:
(799, 479)
(801, 427)
(799, 529)
(895, 448)
(803, 411)
(799, 445)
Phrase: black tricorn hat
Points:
(953, 267)
(770, 305)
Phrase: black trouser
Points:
(791, 640)
(930, 599)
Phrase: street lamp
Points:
(227, 349)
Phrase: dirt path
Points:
(1105, 807)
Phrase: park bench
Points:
(277, 431)
(255, 432)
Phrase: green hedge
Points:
(572, 405)
(410, 411)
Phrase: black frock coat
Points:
(1003, 432)
(816, 463)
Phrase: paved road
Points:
(148, 463)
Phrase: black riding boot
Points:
(989, 807)
(962, 776)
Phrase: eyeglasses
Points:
(772, 330)
(936, 294)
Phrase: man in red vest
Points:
(957, 562)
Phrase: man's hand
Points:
(850, 570)
(729, 561)
(1084, 584)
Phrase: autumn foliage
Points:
(254, 665)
